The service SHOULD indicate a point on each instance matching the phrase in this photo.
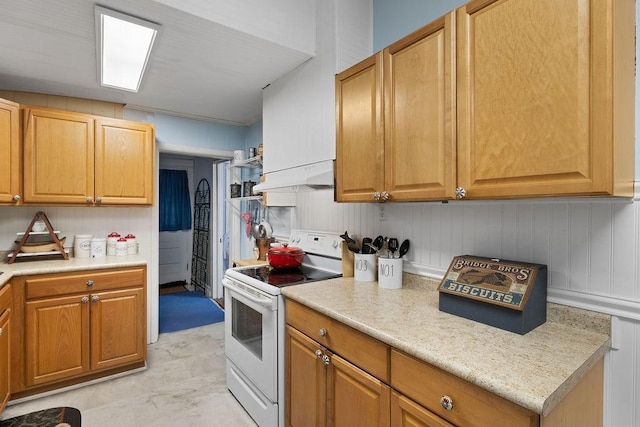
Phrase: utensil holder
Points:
(390, 273)
(263, 247)
(364, 267)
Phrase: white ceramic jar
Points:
(121, 247)
(112, 238)
(132, 246)
(82, 245)
(98, 247)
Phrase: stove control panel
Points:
(317, 242)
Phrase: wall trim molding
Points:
(623, 308)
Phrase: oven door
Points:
(250, 334)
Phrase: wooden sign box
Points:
(509, 295)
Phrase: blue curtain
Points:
(175, 204)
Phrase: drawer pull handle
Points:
(446, 402)
(89, 282)
(84, 300)
(323, 332)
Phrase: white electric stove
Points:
(255, 322)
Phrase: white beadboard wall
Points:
(591, 247)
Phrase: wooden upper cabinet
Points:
(10, 156)
(360, 131)
(80, 159)
(395, 120)
(124, 162)
(498, 99)
(58, 156)
(545, 98)
(419, 119)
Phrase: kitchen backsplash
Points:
(79, 220)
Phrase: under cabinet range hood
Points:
(314, 176)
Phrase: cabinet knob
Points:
(16, 197)
(461, 193)
(376, 196)
(1, 331)
(89, 283)
(446, 402)
(384, 196)
(323, 332)
(84, 299)
(98, 199)
(326, 360)
(319, 354)
(95, 298)
(89, 199)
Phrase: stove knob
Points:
(335, 244)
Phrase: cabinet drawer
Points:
(5, 297)
(367, 353)
(472, 405)
(82, 281)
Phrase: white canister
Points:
(112, 238)
(390, 273)
(132, 246)
(364, 267)
(82, 245)
(121, 247)
(98, 247)
(238, 155)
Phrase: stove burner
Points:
(286, 277)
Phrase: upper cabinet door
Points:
(419, 103)
(360, 132)
(58, 156)
(125, 153)
(10, 170)
(541, 108)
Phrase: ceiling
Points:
(211, 60)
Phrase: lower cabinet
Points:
(5, 371)
(338, 376)
(407, 413)
(325, 389)
(79, 325)
(334, 378)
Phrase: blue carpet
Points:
(186, 310)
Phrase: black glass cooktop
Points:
(287, 277)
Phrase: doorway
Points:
(174, 263)
(214, 161)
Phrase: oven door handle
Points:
(262, 301)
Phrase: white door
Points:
(174, 258)
(173, 263)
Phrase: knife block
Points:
(347, 261)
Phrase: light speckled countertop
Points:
(23, 268)
(535, 370)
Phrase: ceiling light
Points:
(124, 46)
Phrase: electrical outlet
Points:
(382, 213)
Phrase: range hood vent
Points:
(310, 177)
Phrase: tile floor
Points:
(183, 386)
